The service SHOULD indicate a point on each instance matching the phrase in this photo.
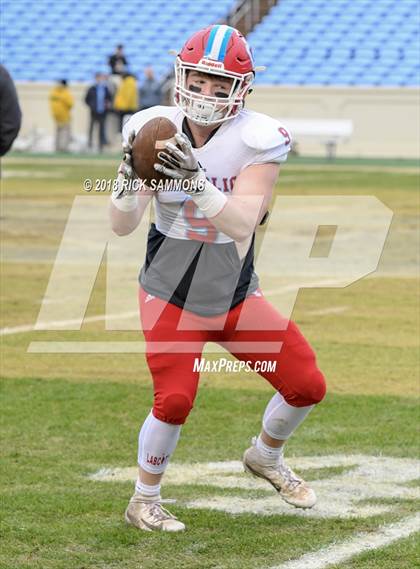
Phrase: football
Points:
(149, 141)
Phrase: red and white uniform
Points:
(193, 274)
(249, 138)
(181, 232)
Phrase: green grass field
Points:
(68, 416)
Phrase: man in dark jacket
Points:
(10, 113)
(98, 99)
(117, 61)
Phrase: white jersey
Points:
(250, 138)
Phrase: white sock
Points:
(157, 442)
(148, 491)
(270, 456)
(281, 419)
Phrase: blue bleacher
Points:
(340, 42)
(302, 42)
(48, 39)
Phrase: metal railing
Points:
(244, 16)
(247, 13)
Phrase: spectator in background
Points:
(61, 103)
(126, 98)
(98, 99)
(117, 61)
(150, 91)
(10, 113)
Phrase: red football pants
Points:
(171, 352)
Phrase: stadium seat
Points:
(348, 41)
(366, 42)
(73, 31)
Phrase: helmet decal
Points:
(217, 42)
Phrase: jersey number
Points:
(200, 228)
(286, 135)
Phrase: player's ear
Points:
(244, 99)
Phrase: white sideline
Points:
(339, 552)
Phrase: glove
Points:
(126, 173)
(180, 163)
(123, 195)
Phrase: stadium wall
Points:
(385, 120)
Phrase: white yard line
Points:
(86, 347)
(54, 323)
(339, 552)
(329, 310)
(314, 284)
(9, 173)
(16, 329)
(305, 174)
(138, 347)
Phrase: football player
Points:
(198, 282)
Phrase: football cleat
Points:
(293, 489)
(151, 515)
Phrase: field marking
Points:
(361, 168)
(86, 347)
(361, 543)
(113, 161)
(326, 311)
(7, 173)
(307, 173)
(139, 347)
(88, 162)
(345, 495)
(55, 323)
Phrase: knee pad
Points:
(316, 387)
(174, 408)
(309, 390)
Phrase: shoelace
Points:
(291, 478)
(287, 473)
(159, 514)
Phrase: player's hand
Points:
(125, 170)
(179, 162)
